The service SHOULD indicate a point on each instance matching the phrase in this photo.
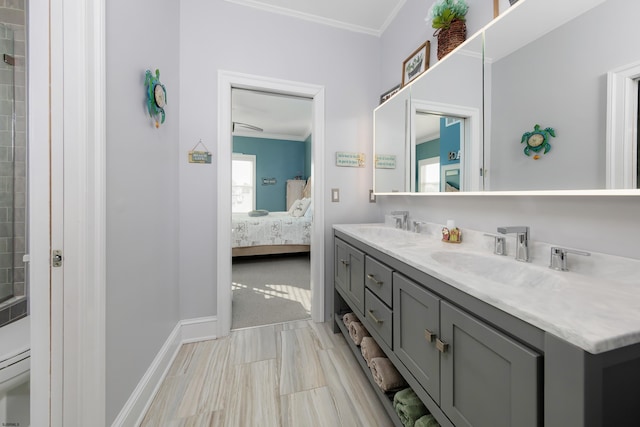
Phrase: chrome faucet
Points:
(417, 226)
(559, 257)
(499, 244)
(522, 240)
(401, 218)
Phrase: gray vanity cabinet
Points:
(477, 375)
(468, 371)
(487, 379)
(416, 320)
(349, 273)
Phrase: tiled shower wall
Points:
(13, 167)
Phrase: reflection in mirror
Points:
(447, 96)
(446, 103)
(439, 140)
(390, 148)
(560, 81)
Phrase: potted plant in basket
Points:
(448, 18)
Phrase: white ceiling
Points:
(279, 116)
(364, 16)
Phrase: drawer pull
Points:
(428, 335)
(375, 319)
(441, 345)
(373, 279)
(344, 262)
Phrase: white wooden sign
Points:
(385, 161)
(352, 160)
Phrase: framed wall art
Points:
(388, 94)
(416, 64)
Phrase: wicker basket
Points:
(451, 38)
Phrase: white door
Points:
(39, 219)
(67, 211)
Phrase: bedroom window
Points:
(429, 174)
(243, 182)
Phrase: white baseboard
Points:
(186, 331)
(200, 329)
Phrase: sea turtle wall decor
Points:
(537, 140)
(156, 96)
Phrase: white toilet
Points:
(14, 373)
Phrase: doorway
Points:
(226, 82)
(270, 186)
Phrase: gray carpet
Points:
(270, 289)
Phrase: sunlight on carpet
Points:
(292, 293)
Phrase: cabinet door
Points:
(416, 318)
(488, 379)
(349, 273)
(342, 265)
(356, 278)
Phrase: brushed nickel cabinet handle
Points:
(428, 335)
(344, 262)
(374, 280)
(375, 319)
(442, 346)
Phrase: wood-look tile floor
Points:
(295, 374)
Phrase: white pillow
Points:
(309, 213)
(300, 207)
(292, 207)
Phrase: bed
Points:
(274, 233)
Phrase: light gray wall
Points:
(218, 35)
(602, 224)
(560, 81)
(142, 192)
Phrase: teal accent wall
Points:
(307, 157)
(449, 141)
(275, 158)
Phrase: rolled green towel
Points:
(426, 421)
(409, 407)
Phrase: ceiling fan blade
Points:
(247, 126)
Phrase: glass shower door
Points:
(12, 176)
(7, 114)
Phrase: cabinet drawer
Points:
(379, 318)
(378, 279)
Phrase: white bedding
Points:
(277, 228)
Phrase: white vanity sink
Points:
(575, 305)
(499, 269)
(391, 235)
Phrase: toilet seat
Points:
(15, 357)
(14, 371)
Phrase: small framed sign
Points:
(203, 157)
(385, 161)
(199, 157)
(352, 160)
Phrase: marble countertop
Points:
(595, 306)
